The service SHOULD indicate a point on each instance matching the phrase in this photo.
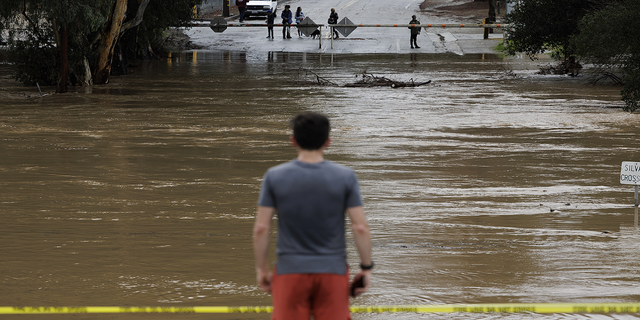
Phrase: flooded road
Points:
(491, 185)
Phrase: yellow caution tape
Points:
(508, 308)
(55, 310)
(445, 308)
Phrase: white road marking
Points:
(349, 4)
(410, 3)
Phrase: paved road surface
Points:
(362, 40)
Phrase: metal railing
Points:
(345, 27)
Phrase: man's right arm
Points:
(362, 237)
(261, 231)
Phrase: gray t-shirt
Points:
(311, 201)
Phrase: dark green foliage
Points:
(35, 64)
(601, 32)
(32, 47)
(85, 16)
(159, 14)
(37, 27)
(609, 35)
(541, 25)
(631, 90)
(609, 38)
(35, 31)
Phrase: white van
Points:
(258, 8)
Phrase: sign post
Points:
(630, 174)
(307, 26)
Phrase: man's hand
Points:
(367, 281)
(264, 279)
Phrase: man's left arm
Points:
(362, 237)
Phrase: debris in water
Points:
(366, 80)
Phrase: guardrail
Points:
(344, 27)
(430, 25)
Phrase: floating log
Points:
(366, 80)
(369, 80)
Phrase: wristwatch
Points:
(369, 267)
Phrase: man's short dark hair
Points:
(311, 130)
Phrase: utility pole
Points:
(225, 8)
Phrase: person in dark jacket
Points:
(271, 19)
(415, 31)
(333, 19)
(242, 7)
(287, 20)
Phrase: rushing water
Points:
(490, 185)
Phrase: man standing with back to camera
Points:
(311, 196)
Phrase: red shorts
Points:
(296, 296)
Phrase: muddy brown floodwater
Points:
(491, 185)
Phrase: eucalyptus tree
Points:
(78, 37)
(43, 33)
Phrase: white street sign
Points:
(630, 173)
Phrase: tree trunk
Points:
(86, 74)
(142, 6)
(108, 42)
(64, 60)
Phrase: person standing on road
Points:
(333, 19)
(242, 7)
(287, 20)
(415, 31)
(299, 17)
(311, 196)
(271, 19)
